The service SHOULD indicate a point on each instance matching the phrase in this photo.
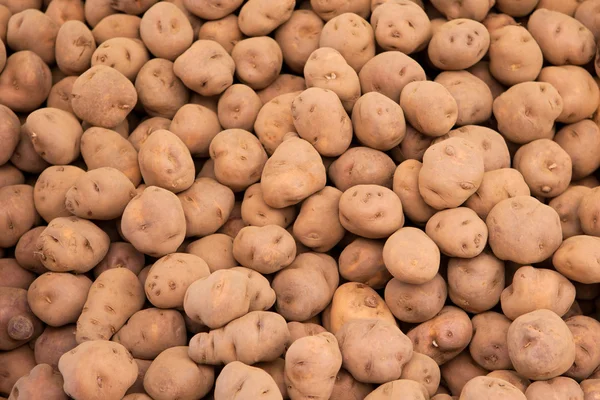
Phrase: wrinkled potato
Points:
(458, 44)
(489, 345)
(75, 46)
(401, 25)
(458, 232)
(473, 97)
(298, 37)
(576, 258)
(362, 166)
(411, 256)
(416, 303)
(25, 82)
(429, 107)
(224, 31)
(166, 31)
(378, 122)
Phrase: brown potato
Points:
(458, 232)
(154, 222)
(25, 158)
(10, 129)
(482, 71)
(429, 107)
(362, 166)
(75, 45)
(298, 37)
(17, 213)
(25, 251)
(472, 9)
(258, 213)
(452, 163)
(216, 250)
(371, 211)
(378, 121)
(416, 303)
(51, 188)
(261, 17)
(457, 372)
(196, 126)
(111, 52)
(257, 383)
(362, 261)
(589, 211)
(586, 331)
(527, 112)
(25, 82)
(13, 275)
(53, 343)
(10, 175)
(121, 255)
(238, 107)
(473, 97)
(61, 11)
(116, 25)
(576, 258)
(490, 388)
(406, 186)
(586, 14)
(516, 8)
(42, 125)
(33, 30)
(145, 128)
(285, 83)
(60, 94)
(399, 388)
(96, 10)
(347, 387)
(132, 7)
(265, 249)
(424, 370)
(235, 223)
(166, 31)
(411, 256)
(458, 44)
(489, 345)
(224, 31)
(275, 120)
(212, 9)
(562, 38)
(5, 14)
(18, 324)
(258, 61)
(578, 140)
(401, 25)
(559, 387)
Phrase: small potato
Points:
(429, 107)
(116, 25)
(326, 68)
(378, 121)
(458, 232)
(224, 31)
(18, 324)
(170, 276)
(17, 213)
(515, 57)
(401, 25)
(58, 298)
(581, 86)
(458, 44)
(363, 357)
(261, 17)
(523, 243)
(285, 83)
(352, 36)
(25, 82)
(473, 97)
(212, 9)
(489, 345)
(444, 336)
(33, 30)
(527, 111)
(50, 189)
(411, 256)
(275, 120)
(559, 387)
(588, 212)
(578, 140)
(238, 107)
(42, 125)
(82, 371)
(416, 303)
(567, 207)
(511, 377)
(516, 8)
(75, 46)
(586, 331)
(398, 389)
(166, 162)
(10, 130)
(154, 222)
(160, 92)
(549, 181)
(258, 61)
(99, 147)
(102, 193)
(576, 258)
(362, 261)
(265, 249)
(371, 211)
(562, 38)
(196, 126)
(124, 54)
(451, 164)
(362, 166)
(96, 10)
(406, 186)
(298, 37)
(166, 31)
(103, 96)
(257, 384)
(472, 9)
(132, 7)
(239, 158)
(121, 255)
(482, 71)
(293, 173)
(490, 388)
(475, 284)
(322, 107)
(457, 372)
(424, 370)
(60, 94)
(205, 67)
(540, 329)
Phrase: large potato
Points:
(576, 258)
(378, 121)
(298, 37)
(362, 166)
(401, 25)
(25, 82)
(416, 303)
(42, 125)
(458, 44)
(160, 92)
(411, 256)
(429, 107)
(424, 370)
(166, 31)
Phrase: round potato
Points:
(424, 370)
(362, 165)
(265, 249)
(416, 303)
(489, 345)
(406, 186)
(362, 261)
(567, 207)
(75, 46)
(196, 126)
(458, 232)
(258, 61)
(482, 71)
(51, 188)
(557, 387)
(41, 127)
(473, 97)
(216, 250)
(33, 30)
(411, 256)
(25, 82)
(224, 31)
(429, 107)
(17, 213)
(587, 13)
(576, 258)
(298, 37)
(458, 44)
(401, 25)
(60, 94)
(10, 130)
(166, 31)
(10, 175)
(160, 92)
(238, 107)
(378, 121)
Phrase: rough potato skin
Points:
(362, 165)
(411, 256)
(416, 303)
(490, 388)
(577, 259)
(33, 30)
(41, 379)
(18, 324)
(540, 345)
(312, 380)
(87, 377)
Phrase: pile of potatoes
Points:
(305, 200)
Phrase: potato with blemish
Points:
(166, 31)
(238, 107)
(224, 31)
(170, 276)
(401, 25)
(458, 44)
(458, 232)
(240, 380)
(577, 258)
(457, 372)
(275, 120)
(473, 97)
(378, 121)
(326, 68)
(18, 324)
(258, 213)
(562, 38)
(298, 37)
(399, 388)
(416, 303)
(51, 188)
(429, 107)
(258, 61)
(33, 30)
(444, 336)
(265, 249)
(362, 166)
(25, 82)
(411, 256)
(589, 212)
(261, 17)
(57, 298)
(42, 379)
(154, 222)
(362, 261)
(489, 344)
(208, 300)
(371, 211)
(540, 345)
(75, 46)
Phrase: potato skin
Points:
(18, 324)
(13, 275)
(432, 118)
(575, 258)
(361, 165)
(166, 31)
(362, 261)
(489, 346)
(261, 384)
(347, 387)
(33, 30)
(416, 303)
(577, 140)
(238, 107)
(490, 388)
(51, 188)
(401, 25)
(33, 79)
(378, 121)
(41, 379)
(116, 25)
(298, 37)
(458, 232)
(411, 256)
(224, 31)
(17, 213)
(559, 386)
(196, 126)
(422, 369)
(398, 388)
(458, 44)
(258, 61)
(588, 212)
(459, 371)
(285, 83)
(585, 332)
(212, 9)
(10, 129)
(261, 17)
(258, 213)
(265, 249)
(121, 255)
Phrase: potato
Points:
(132, 7)
(351, 36)
(587, 15)
(581, 86)
(448, 229)
(511, 377)
(378, 121)
(154, 222)
(205, 67)
(356, 301)
(25, 251)
(103, 96)
(275, 369)
(140, 134)
(482, 71)
(18, 213)
(256, 383)
(551, 334)
(457, 160)
(301, 329)
(527, 112)
(145, 336)
(41, 126)
(33, 30)
(550, 181)
(18, 324)
(371, 217)
(472, 9)
(347, 387)
(576, 258)
(258, 61)
(553, 388)
(261, 17)
(458, 44)
(294, 172)
(405, 185)
(58, 307)
(491, 144)
(516, 8)
(490, 388)
(401, 25)
(460, 370)
(96, 10)
(85, 376)
(124, 54)
(306, 378)
(419, 96)
(399, 388)
(362, 261)
(444, 336)
(265, 249)
(257, 213)
(285, 83)
(170, 276)
(416, 303)
(421, 368)
(25, 157)
(588, 213)
(473, 97)
(41, 379)
(74, 47)
(51, 188)
(13, 365)
(326, 68)
(212, 9)
(239, 158)
(585, 332)
(10, 129)
(60, 94)
(306, 287)
(562, 38)
(116, 25)
(264, 342)
(489, 345)
(577, 140)
(235, 223)
(537, 240)
(25, 82)
(121, 255)
(362, 165)
(591, 388)
(100, 147)
(10, 175)
(238, 107)
(411, 256)
(224, 31)
(275, 120)
(5, 14)
(13, 275)
(298, 37)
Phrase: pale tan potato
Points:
(96, 10)
(75, 45)
(133, 7)
(406, 186)
(362, 165)
(166, 31)
(265, 249)
(160, 92)
(41, 127)
(424, 370)
(490, 388)
(196, 126)
(482, 71)
(216, 250)
(5, 14)
(10, 175)
(576, 257)
(473, 97)
(589, 212)
(472, 9)
(238, 107)
(316, 107)
(458, 44)
(578, 140)
(326, 68)
(258, 213)
(362, 261)
(458, 232)
(567, 206)
(298, 37)
(516, 8)
(562, 38)
(462, 369)
(145, 128)
(60, 94)
(285, 83)
(117, 25)
(257, 383)
(25, 82)
(401, 25)
(212, 9)
(411, 256)
(489, 344)
(429, 107)
(557, 387)
(275, 120)
(587, 13)
(261, 17)
(33, 30)
(399, 388)
(224, 31)
(258, 61)
(416, 303)
(10, 130)
(50, 190)
(124, 54)
(328, 9)
(378, 121)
